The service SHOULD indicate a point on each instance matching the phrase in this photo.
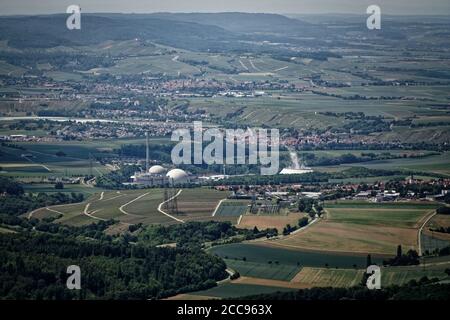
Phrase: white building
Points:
(302, 170)
(156, 176)
(177, 176)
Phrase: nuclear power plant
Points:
(158, 176)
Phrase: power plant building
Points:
(157, 176)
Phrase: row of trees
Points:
(401, 259)
(288, 229)
(16, 202)
(194, 234)
(314, 177)
(17, 205)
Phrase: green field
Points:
(264, 270)
(434, 92)
(363, 227)
(434, 164)
(69, 214)
(68, 188)
(142, 210)
(431, 243)
(234, 290)
(402, 275)
(42, 161)
(7, 69)
(289, 261)
(199, 203)
(64, 76)
(324, 277)
(431, 164)
(304, 110)
(232, 208)
(327, 277)
(396, 214)
(368, 180)
(134, 206)
(152, 65)
(400, 218)
(356, 204)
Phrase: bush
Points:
(443, 210)
(59, 185)
(303, 222)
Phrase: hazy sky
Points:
(404, 7)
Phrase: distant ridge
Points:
(240, 22)
(49, 31)
(237, 32)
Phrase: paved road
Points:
(130, 202)
(419, 235)
(165, 213)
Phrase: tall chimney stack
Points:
(147, 153)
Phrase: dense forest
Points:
(33, 266)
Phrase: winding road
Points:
(130, 202)
(419, 234)
(165, 213)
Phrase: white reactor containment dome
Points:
(178, 176)
(157, 170)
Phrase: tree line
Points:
(16, 202)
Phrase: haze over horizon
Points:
(400, 7)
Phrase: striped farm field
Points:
(402, 275)
(324, 277)
(232, 208)
(276, 263)
(263, 222)
(393, 217)
(199, 203)
(234, 290)
(264, 270)
(363, 227)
